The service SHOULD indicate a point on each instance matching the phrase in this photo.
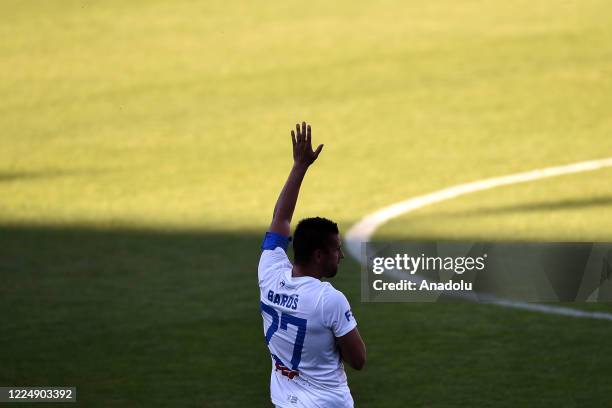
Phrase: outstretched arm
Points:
(303, 157)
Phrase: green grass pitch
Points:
(143, 145)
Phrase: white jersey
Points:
(302, 316)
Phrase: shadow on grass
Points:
(171, 318)
(133, 317)
(13, 176)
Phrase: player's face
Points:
(332, 257)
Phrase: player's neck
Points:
(300, 271)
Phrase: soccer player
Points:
(308, 325)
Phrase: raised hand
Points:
(302, 145)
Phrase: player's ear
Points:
(317, 255)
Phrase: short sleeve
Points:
(337, 314)
(271, 263)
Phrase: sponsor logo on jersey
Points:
(284, 370)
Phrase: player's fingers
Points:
(293, 138)
(308, 136)
(298, 134)
(316, 153)
(304, 131)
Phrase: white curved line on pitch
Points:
(364, 229)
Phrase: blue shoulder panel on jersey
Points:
(273, 240)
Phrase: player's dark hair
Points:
(312, 234)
